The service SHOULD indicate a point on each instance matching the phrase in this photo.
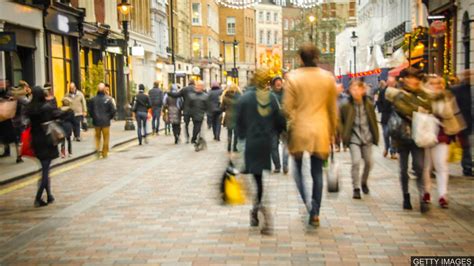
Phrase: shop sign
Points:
(196, 70)
(61, 23)
(137, 51)
(7, 41)
(438, 28)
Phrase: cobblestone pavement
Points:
(157, 204)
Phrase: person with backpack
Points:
(407, 100)
(186, 93)
(359, 132)
(385, 108)
(198, 107)
(229, 100)
(140, 109)
(173, 107)
(156, 98)
(215, 110)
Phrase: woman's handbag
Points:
(54, 131)
(398, 128)
(425, 129)
(26, 148)
(451, 116)
(332, 173)
(7, 109)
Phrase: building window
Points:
(269, 17)
(275, 40)
(285, 44)
(275, 17)
(269, 37)
(260, 16)
(285, 24)
(292, 44)
(197, 47)
(230, 25)
(196, 14)
(260, 39)
(292, 24)
(60, 64)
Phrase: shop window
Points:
(60, 64)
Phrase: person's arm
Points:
(177, 94)
(84, 104)
(112, 109)
(289, 102)
(240, 123)
(332, 108)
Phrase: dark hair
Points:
(156, 84)
(38, 99)
(141, 87)
(192, 82)
(309, 54)
(410, 72)
(107, 85)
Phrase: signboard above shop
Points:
(61, 23)
(7, 41)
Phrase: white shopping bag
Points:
(425, 128)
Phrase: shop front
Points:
(62, 24)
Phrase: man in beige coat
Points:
(79, 106)
(310, 106)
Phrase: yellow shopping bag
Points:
(455, 152)
(234, 191)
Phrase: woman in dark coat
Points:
(173, 105)
(67, 123)
(229, 99)
(40, 111)
(257, 117)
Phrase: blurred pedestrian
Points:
(186, 94)
(102, 110)
(173, 107)
(408, 99)
(68, 118)
(199, 106)
(277, 92)
(342, 98)
(385, 108)
(48, 90)
(359, 132)
(462, 92)
(141, 104)
(7, 131)
(230, 97)
(257, 117)
(156, 97)
(22, 94)
(215, 110)
(41, 111)
(310, 106)
(437, 156)
(79, 106)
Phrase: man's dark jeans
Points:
(418, 157)
(196, 130)
(187, 119)
(276, 152)
(77, 126)
(155, 119)
(466, 161)
(141, 123)
(317, 175)
(216, 124)
(386, 138)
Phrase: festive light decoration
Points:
(238, 4)
(305, 3)
(362, 74)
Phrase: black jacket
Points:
(156, 97)
(215, 100)
(186, 93)
(384, 107)
(141, 103)
(462, 92)
(43, 145)
(102, 110)
(198, 105)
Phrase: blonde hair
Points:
(230, 88)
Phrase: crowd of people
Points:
(292, 114)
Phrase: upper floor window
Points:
(260, 16)
(230, 25)
(196, 14)
(285, 24)
(275, 17)
(269, 16)
(260, 37)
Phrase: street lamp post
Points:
(124, 9)
(354, 39)
(173, 58)
(312, 19)
(234, 71)
(220, 66)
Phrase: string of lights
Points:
(238, 4)
(305, 3)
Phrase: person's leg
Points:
(356, 156)
(367, 157)
(418, 157)
(80, 119)
(106, 133)
(153, 120)
(427, 168)
(98, 132)
(299, 178)
(187, 119)
(386, 139)
(440, 162)
(466, 161)
(196, 130)
(276, 152)
(404, 178)
(218, 125)
(45, 171)
(63, 148)
(229, 139)
(259, 183)
(144, 119)
(158, 114)
(76, 124)
(317, 175)
(285, 157)
(44, 181)
(236, 141)
(139, 128)
(69, 145)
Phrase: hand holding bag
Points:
(54, 131)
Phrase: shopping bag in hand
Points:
(26, 148)
(425, 128)
(455, 152)
(233, 188)
(332, 173)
